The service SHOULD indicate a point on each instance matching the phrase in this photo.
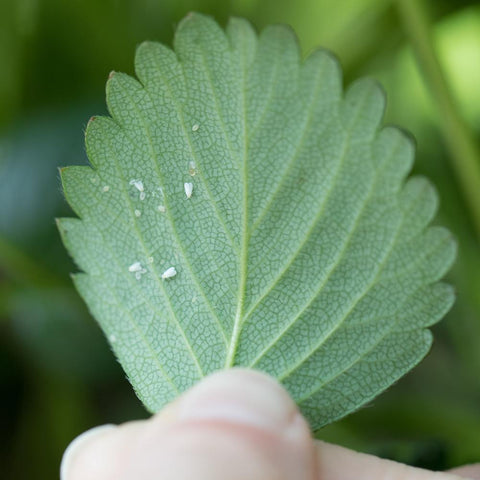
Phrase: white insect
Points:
(135, 267)
(106, 188)
(138, 184)
(112, 338)
(188, 186)
(138, 213)
(150, 260)
(169, 273)
(195, 127)
(192, 168)
(161, 208)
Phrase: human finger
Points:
(233, 425)
(338, 463)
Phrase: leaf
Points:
(301, 252)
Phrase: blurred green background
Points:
(58, 376)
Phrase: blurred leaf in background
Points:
(58, 375)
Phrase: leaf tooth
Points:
(243, 39)
(79, 183)
(419, 201)
(197, 31)
(119, 86)
(364, 106)
(394, 152)
(98, 129)
(153, 61)
(426, 307)
(325, 61)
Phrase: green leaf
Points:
(301, 252)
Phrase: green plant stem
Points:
(464, 152)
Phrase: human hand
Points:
(235, 424)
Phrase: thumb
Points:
(233, 425)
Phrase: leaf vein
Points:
(381, 266)
(172, 223)
(333, 267)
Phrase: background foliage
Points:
(58, 376)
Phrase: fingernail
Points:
(77, 445)
(240, 396)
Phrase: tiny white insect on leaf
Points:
(106, 188)
(138, 184)
(112, 338)
(142, 196)
(195, 127)
(192, 169)
(150, 260)
(169, 273)
(138, 213)
(135, 267)
(161, 208)
(188, 189)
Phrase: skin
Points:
(235, 424)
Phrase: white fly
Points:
(169, 273)
(138, 184)
(135, 267)
(188, 186)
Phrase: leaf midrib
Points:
(240, 317)
(243, 263)
(232, 345)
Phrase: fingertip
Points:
(239, 396)
(237, 424)
(77, 445)
(102, 453)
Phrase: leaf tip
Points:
(192, 17)
(91, 119)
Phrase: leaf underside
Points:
(302, 252)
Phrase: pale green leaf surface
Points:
(302, 252)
